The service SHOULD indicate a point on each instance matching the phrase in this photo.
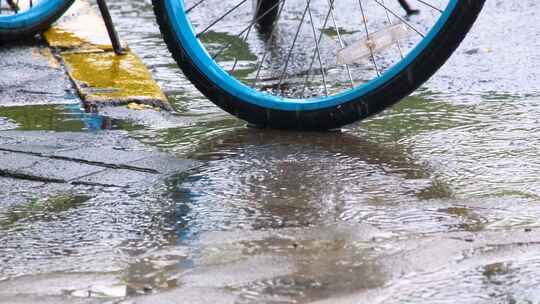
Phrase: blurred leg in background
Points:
(266, 13)
(407, 7)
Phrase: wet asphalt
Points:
(433, 201)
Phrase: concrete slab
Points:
(31, 76)
(32, 148)
(119, 178)
(105, 156)
(59, 288)
(32, 299)
(164, 164)
(58, 170)
(187, 295)
(69, 139)
(11, 161)
(81, 158)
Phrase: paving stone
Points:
(32, 299)
(31, 148)
(103, 155)
(87, 159)
(192, 295)
(31, 75)
(11, 161)
(164, 164)
(59, 170)
(71, 139)
(119, 178)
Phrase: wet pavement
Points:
(78, 159)
(434, 201)
(31, 75)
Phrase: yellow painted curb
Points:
(107, 79)
(101, 77)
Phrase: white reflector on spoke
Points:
(376, 42)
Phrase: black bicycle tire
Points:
(36, 28)
(411, 78)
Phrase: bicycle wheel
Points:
(24, 18)
(323, 64)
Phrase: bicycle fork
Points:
(113, 34)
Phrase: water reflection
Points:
(263, 179)
(290, 205)
(59, 118)
(304, 212)
(34, 210)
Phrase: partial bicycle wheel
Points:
(321, 64)
(25, 18)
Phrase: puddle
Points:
(47, 210)
(58, 118)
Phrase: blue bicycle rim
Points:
(204, 62)
(32, 16)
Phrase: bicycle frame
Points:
(113, 34)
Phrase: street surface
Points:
(434, 201)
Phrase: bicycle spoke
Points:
(247, 28)
(249, 31)
(311, 54)
(390, 22)
(281, 78)
(194, 6)
(341, 44)
(365, 21)
(221, 18)
(401, 19)
(266, 43)
(317, 49)
(316, 52)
